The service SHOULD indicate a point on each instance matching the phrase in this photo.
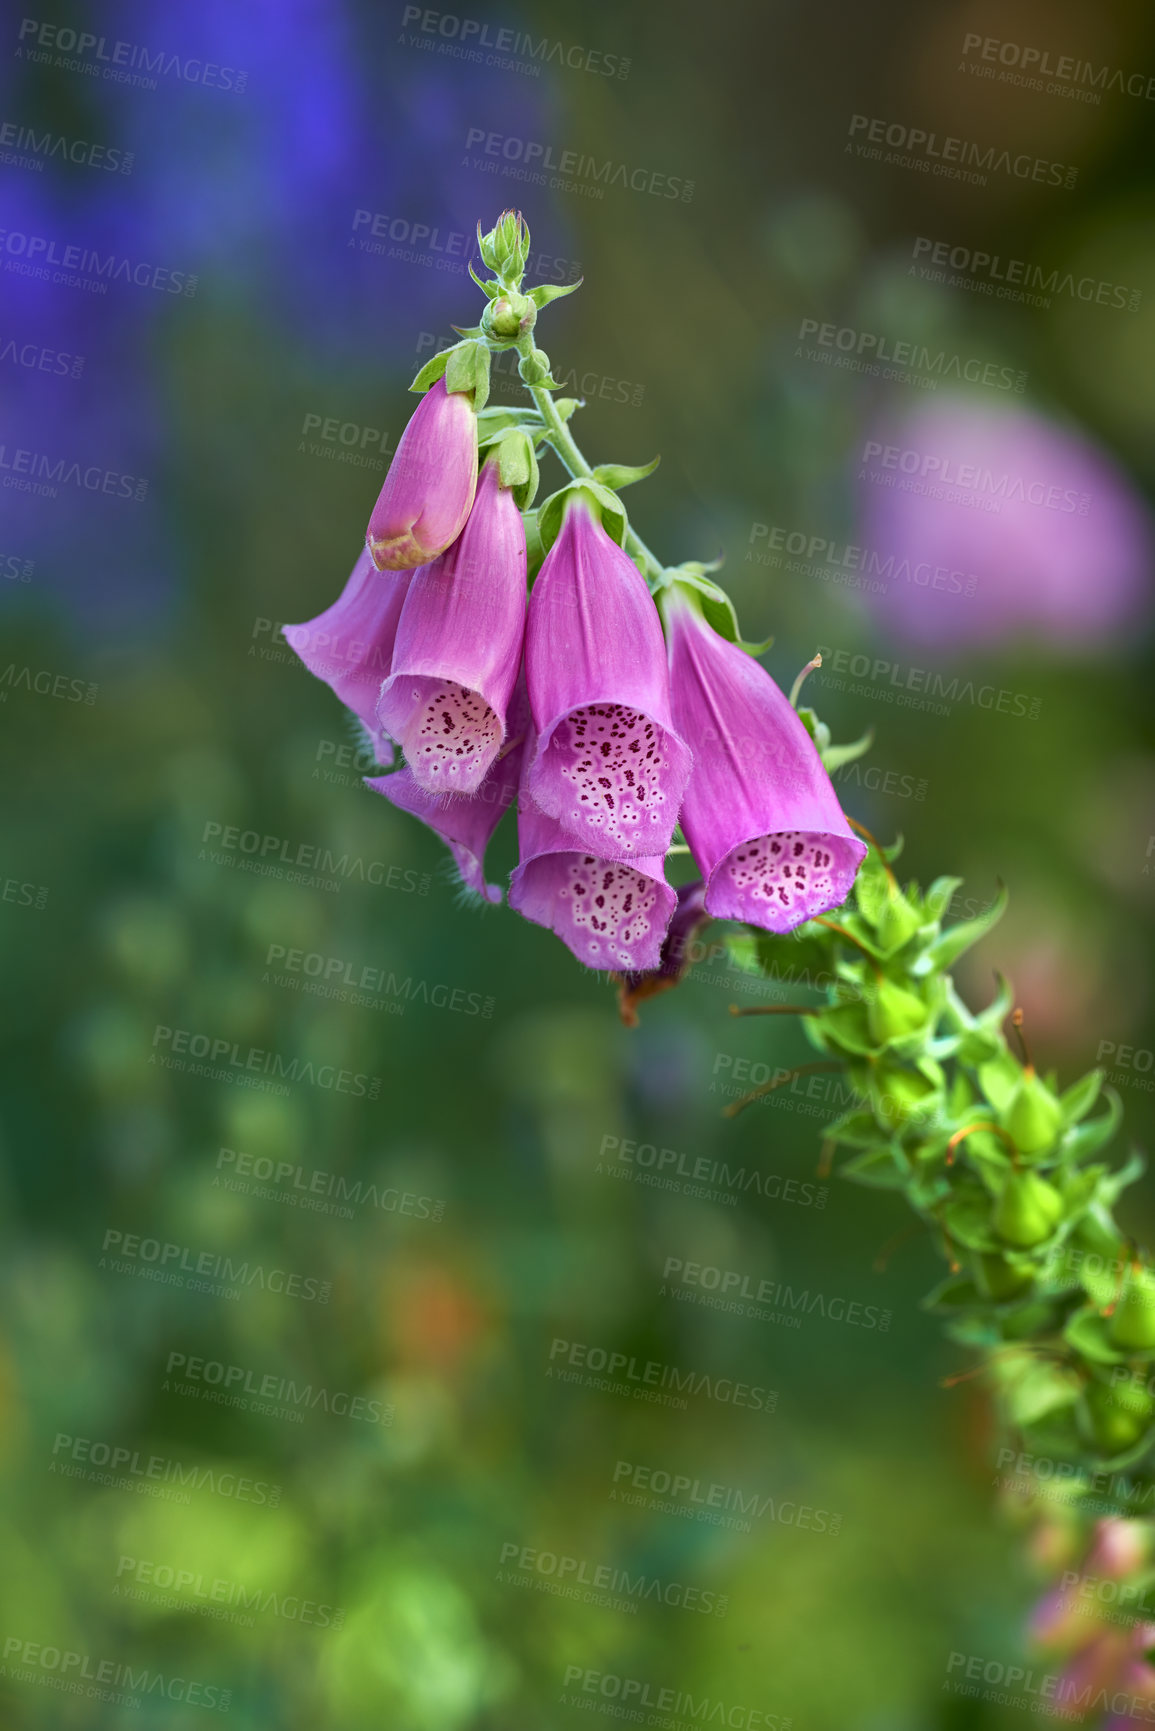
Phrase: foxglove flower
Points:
(609, 766)
(350, 645)
(429, 489)
(611, 913)
(760, 815)
(465, 822)
(458, 649)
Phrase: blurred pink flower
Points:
(989, 523)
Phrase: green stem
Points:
(569, 453)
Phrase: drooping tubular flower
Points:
(350, 645)
(612, 913)
(429, 489)
(760, 815)
(608, 766)
(458, 648)
(466, 822)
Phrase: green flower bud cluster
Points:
(999, 1162)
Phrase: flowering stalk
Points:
(622, 713)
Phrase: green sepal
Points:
(607, 506)
(489, 289)
(952, 943)
(834, 756)
(491, 423)
(618, 475)
(534, 551)
(715, 605)
(550, 291)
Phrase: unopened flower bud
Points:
(1027, 1210)
(1113, 1426)
(1133, 1321)
(534, 368)
(505, 248)
(1032, 1117)
(509, 316)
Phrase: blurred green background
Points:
(126, 912)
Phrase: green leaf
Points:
(717, 607)
(939, 896)
(433, 370)
(550, 291)
(956, 1292)
(1040, 1389)
(1089, 1137)
(956, 939)
(1113, 1183)
(1081, 1096)
(855, 1129)
(846, 1026)
(871, 887)
(897, 922)
(967, 1217)
(622, 475)
(879, 1167)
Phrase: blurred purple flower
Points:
(998, 523)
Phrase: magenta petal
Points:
(609, 766)
(760, 815)
(350, 645)
(458, 649)
(465, 822)
(429, 489)
(611, 913)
